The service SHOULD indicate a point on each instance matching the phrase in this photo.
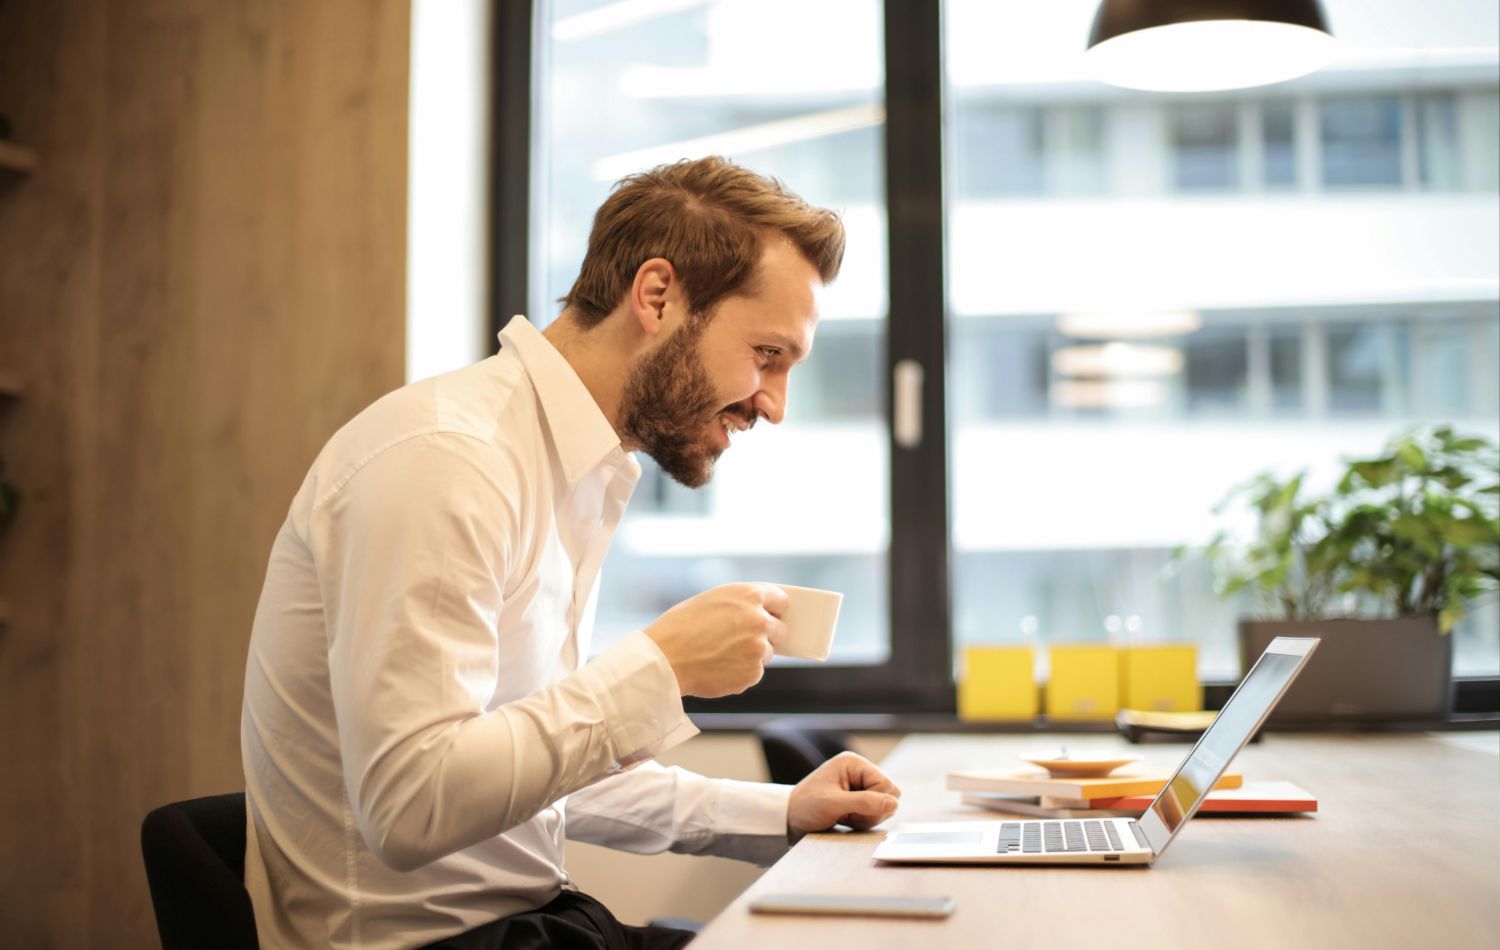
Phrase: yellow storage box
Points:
(1161, 677)
(1085, 681)
(997, 684)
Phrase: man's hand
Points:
(846, 790)
(720, 641)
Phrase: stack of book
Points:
(1124, 794)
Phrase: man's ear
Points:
(655, 282)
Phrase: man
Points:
(420, 730)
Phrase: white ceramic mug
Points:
(810, 619)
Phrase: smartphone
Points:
(854, 906)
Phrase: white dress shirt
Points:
(419, 732)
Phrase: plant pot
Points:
(1363, 670)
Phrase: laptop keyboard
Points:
(1071, 835)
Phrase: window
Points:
(625, 86)
(1229, 325)
(1438, 160)
(1361, 141)
(1205, 146)
(1253, 329)
(1358, 380)
(1278, 139)
(1003, 152)
(1217, 369)
(1285, 345)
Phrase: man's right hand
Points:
(720, 641)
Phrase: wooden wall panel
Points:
(201, 282)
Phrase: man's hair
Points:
(709, 217)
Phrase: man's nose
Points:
(771, 400)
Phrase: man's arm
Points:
(655, 808)
(412, 554)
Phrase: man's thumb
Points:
(874, 804)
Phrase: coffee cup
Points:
(810, 617)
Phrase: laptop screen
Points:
(1240, 717)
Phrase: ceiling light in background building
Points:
(1128, 324)
(1109, 393)
(1206, 45)
(1117, 360)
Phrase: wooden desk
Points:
(1404, 852)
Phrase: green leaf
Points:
(1452, 613)
(1411, 454)
(1377, 473)
(1469, 531)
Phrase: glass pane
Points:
(1356, 377)
(1077, 147)
(1217, 369)
(1306, 327)
(1205, 146)
(1278, 122)
(1000, 152)
(1442, 356)
(1438, 161)
(626, 86)
(1479, 131)
(1361, 140)
(1286, 367)
(1000, 369)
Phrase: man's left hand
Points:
(846, 790)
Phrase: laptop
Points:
(1110, 841)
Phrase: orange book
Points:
(1034, 782)
(1262, 798)
(1268, 797)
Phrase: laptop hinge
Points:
(1140, 836)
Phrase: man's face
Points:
(718, 375)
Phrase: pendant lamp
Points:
(1205, 45)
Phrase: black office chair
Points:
(195, 864)
(793, 748)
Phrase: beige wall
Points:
(201, 282)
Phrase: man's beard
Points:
(668, 402)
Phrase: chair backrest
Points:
(793, 750)
(195, 865)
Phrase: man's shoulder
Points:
(475, 416)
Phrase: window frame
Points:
(917, 677)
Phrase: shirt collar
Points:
(581, 433)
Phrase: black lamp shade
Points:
(1117, 17)
(1206, 45)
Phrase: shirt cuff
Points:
(640, 698)
(750, 820)
(751, 808)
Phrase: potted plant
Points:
(1381, 566)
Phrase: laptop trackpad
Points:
(927, 838)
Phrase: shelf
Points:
(17, 158)
(11, 384)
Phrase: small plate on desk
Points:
(1066, 764)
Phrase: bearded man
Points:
(420, 731)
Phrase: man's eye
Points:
(769, 352)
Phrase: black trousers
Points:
(572, 921)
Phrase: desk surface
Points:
(1403, 852)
